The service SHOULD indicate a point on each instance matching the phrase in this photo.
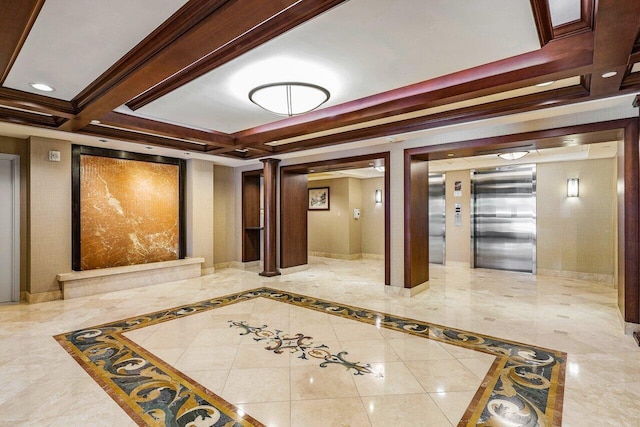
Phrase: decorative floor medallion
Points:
(524, 386)
(278, 342)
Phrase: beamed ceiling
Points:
(176, 73)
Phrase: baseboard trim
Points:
(406, 292)
(607, 279)
(42, 296)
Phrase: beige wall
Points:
(20, 147)
(50, 215)
(577, 234)
(355, 225)
(199, 211)
(224, 215)
(372, 219)
(328, 231)
(336, 231)
(458, 239)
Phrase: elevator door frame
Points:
(534, 232)
(14, 243)
(444, 221)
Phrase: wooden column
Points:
(416, 221)
(269, 181)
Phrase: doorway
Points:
(9, 228)
(503, 228)
(295, 207)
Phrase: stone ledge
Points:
(82, 283)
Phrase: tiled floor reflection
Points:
(368, 360)
(43, 386)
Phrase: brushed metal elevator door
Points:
(436, 219)
(504, 218)
(6, 232)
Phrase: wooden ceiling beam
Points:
(139, 124)
(16, 21)
(26, 118)
(278, 25)
(225, 27)
(139, 138)
(562, 58)
(616, 29)
(479, 112)
(34, 102)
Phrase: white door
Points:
(9, 246)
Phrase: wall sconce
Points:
(378, 196)
(573, 187)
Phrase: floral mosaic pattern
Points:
(278, 342)
(524, 386)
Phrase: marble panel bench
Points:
(91, 282)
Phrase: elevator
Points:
(503, 220)
(437, 225)
(9, 228)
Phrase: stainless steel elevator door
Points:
(504, 218)
(436, 218)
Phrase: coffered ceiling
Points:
(176, 73)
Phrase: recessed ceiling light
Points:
(546, 83)
(609, 74)
(450, 155)
(312, 170)
(42, 87)
(95, 122)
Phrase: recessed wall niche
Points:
(128, 208)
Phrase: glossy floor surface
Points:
(43, 385)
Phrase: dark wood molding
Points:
(416, 221)
(251, 216)
(584, 24)
(139, 124)
(544, 138)
(180, 22)
(563, 58)
(140, 138)
(293, 218)
(33, 102)
(542, 18)
(76, 225)
(631, 286)
(211, 26)
(478, 112)
(278, 24)
(26, 118)
(616, 31)
(16, 20)
(270, 174)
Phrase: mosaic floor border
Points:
(524, 386)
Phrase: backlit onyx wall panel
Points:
(129, 212)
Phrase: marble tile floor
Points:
(42, 385)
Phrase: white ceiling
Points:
(366, 47)
(74, 41)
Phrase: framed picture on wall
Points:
(319, 199)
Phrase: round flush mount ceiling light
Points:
(609, 74)
(289, 98)
(514, 155)
(42, 87)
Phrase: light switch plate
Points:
(54, 156)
